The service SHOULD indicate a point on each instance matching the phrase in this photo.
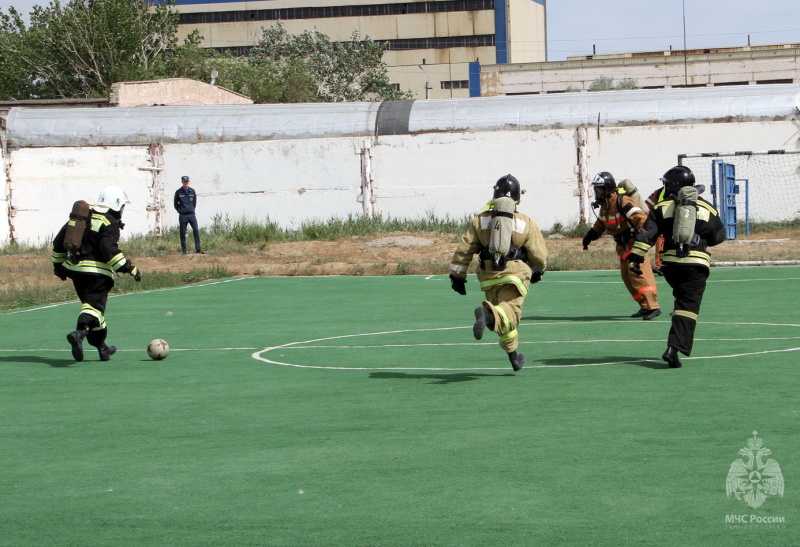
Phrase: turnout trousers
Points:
(505, 303)
(92, 291)
(688, 282)
(642, 287)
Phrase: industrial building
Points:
(434, 48)
(713, 67)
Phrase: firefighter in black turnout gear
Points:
(92, 267)
(685, 260)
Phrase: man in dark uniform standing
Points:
(185, 204)
(92, 268)
(685, 269)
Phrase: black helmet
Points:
(676, 178)
(604, 186)
(507, 187)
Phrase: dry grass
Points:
(402, 253)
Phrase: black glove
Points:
(60, 271)
(634, 260)
(536, 276)
(458, 284)
(590, 236)
(137, 275)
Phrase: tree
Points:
(606, 83)
(308, 67)
(189, 60)
(80, 48)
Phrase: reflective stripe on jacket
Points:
(526, 235)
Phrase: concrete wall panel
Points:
(285, 181)
(46, 181)
(452, 175)
(443, 163)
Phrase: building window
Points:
(455, 84)
(322, 12)
(442, 42)
(483, 40)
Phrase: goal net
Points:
(768, 184)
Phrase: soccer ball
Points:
(158, 349)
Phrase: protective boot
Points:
(106, 352)
(483, 318)
(75, 339)
(516, 360)
(671, 357)
(651, 314)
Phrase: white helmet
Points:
(113, 197)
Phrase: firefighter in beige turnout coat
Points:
(505, 283)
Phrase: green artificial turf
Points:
(360, 411)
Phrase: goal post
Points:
(758, 190)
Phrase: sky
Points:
(584, 27)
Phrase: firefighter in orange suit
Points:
(621, 216)
(504, 279)
(651, 201)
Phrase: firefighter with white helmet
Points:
(92, 267)
(621, 216)
(512, 255)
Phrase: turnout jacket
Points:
(526, 236)
(621, 217)
(185, 200)
(99, 253)
(656, 197)
(708, 227)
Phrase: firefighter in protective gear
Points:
(92, 268)
(621, 216)
(651, 201)
(505, 282)
(686, 275)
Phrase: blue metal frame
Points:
(723, 177)
(500, 32)
(474, 79)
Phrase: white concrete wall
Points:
(286, 181)
(46, 181)
(290, 181)
(453, 174)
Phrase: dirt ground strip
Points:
(401, 253)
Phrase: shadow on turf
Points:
(638, 361)
(578, 318)
(440, 378)
(56, 363)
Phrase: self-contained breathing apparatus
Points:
(500, 249)
(78, 223)
(679, 183)
(683, 234)
(507, 193)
